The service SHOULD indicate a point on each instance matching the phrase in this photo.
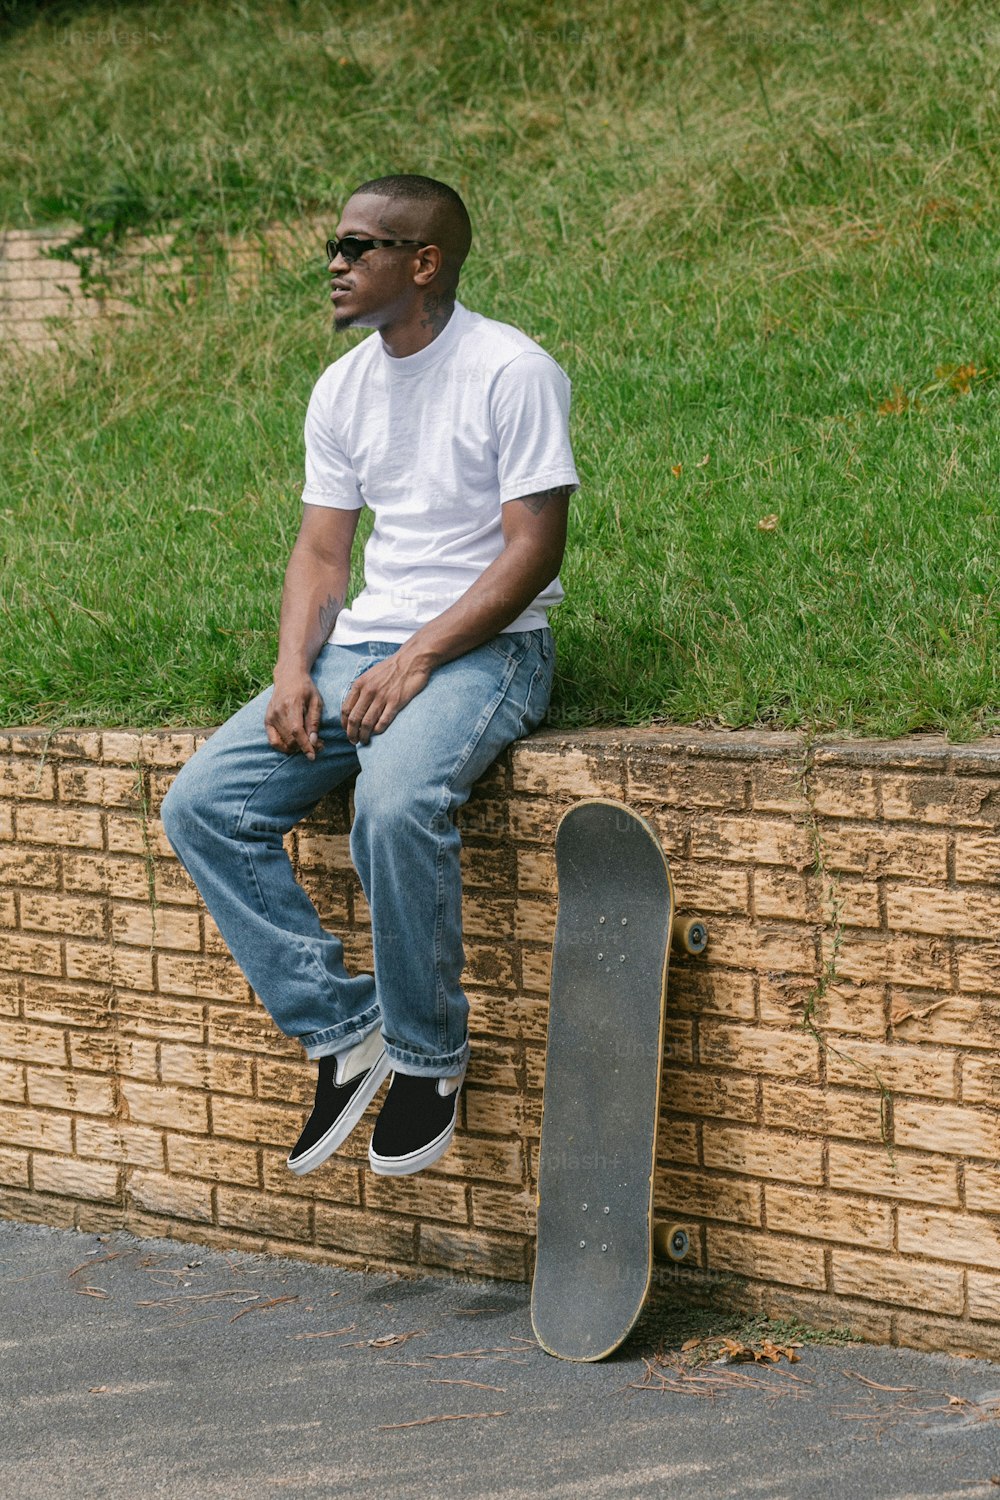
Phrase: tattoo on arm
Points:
(328, 613)
(538, 502)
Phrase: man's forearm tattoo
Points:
(538, 502)
(328, 613)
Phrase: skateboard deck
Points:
(601, 1097)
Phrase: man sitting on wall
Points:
(453, 428)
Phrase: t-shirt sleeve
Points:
(530, 416)
(330, 480)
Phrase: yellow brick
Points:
(255, 1123)
(501, 1114)
(934, 1288)
(102, 1052)
(14, 1168)
(12, 1082)
(6, 820)
(924, 1179)
(950, 1237)
(758, 1050)
(157, 1017)
(918, 1330)
(165, 748)
(472, 1252)
(536, 871)
(80, 828)
(905, 1070)
(979, 967)
(217, 1161)
(827, 1112)
(977, 856)
(844, 793)
(28, 955)
(877, 850)
(678, 1143)
(33, 1044)
(488, 963)
(26, 778)
(533, 820)
(177, 1109)
(829, 1216)
(100, 784)
(521, 1016)
(493, 1161)
(200, 1068)
(367, 1234)
(490, 869)
(948, 800)
(178, 1197)
(79, 1179)
(981, 1081)
(338, 1180)
(534, 921)
(166, 927)
(947, 1128)
(135, 835)
(29, 867)
(57, 914)
(710, 1094)
(487, 917)
(954, 1020)
(325, 852)
(680, 781)
(60, 1089)
(752, 840)
(283, 1216)
(136, 1145)
(103, 963)
(984, 1296)
(107, 874)
(763, 1153)
(205, 978)
(422, 1196)
(696, 988)
(712, 1197)
(172, 883)
(495, 1208)
(883, 958)
(764, 947)
(778, 787)
(249, 1030)
(39, 1131)
(853, 1010)
(701, 888)
(787, 894)
(566, 773)
(956, 913)
(767, 1257)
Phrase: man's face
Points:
(377, 289)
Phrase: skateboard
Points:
(601, 1098)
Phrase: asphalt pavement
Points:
(134, 1368)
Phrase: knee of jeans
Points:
(389, 810)
(183, 808)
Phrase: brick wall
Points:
(831, 1116)
(41, 296)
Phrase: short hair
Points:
(445, 218)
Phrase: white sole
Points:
(414, 1161)
(345, 1121)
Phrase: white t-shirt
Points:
(435, 443)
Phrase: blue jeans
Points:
(232, 803)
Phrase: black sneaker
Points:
(347, 1083)
(415, 1124)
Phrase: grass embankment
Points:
(762, 239)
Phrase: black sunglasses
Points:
(352, 249)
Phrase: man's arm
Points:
(316, 582)
(534, 532)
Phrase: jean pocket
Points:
(512, 644)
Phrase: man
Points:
(453, 429)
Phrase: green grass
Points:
(762, 233)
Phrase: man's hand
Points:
(377, 696)
(294, 714)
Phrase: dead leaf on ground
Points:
(768, 523)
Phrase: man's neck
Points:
(422, 328)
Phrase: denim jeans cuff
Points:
(339, 1038)
(419, 1065)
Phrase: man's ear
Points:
(430, 261)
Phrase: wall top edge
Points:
(928, 752)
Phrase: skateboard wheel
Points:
(672, 1241)
(690, 934)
